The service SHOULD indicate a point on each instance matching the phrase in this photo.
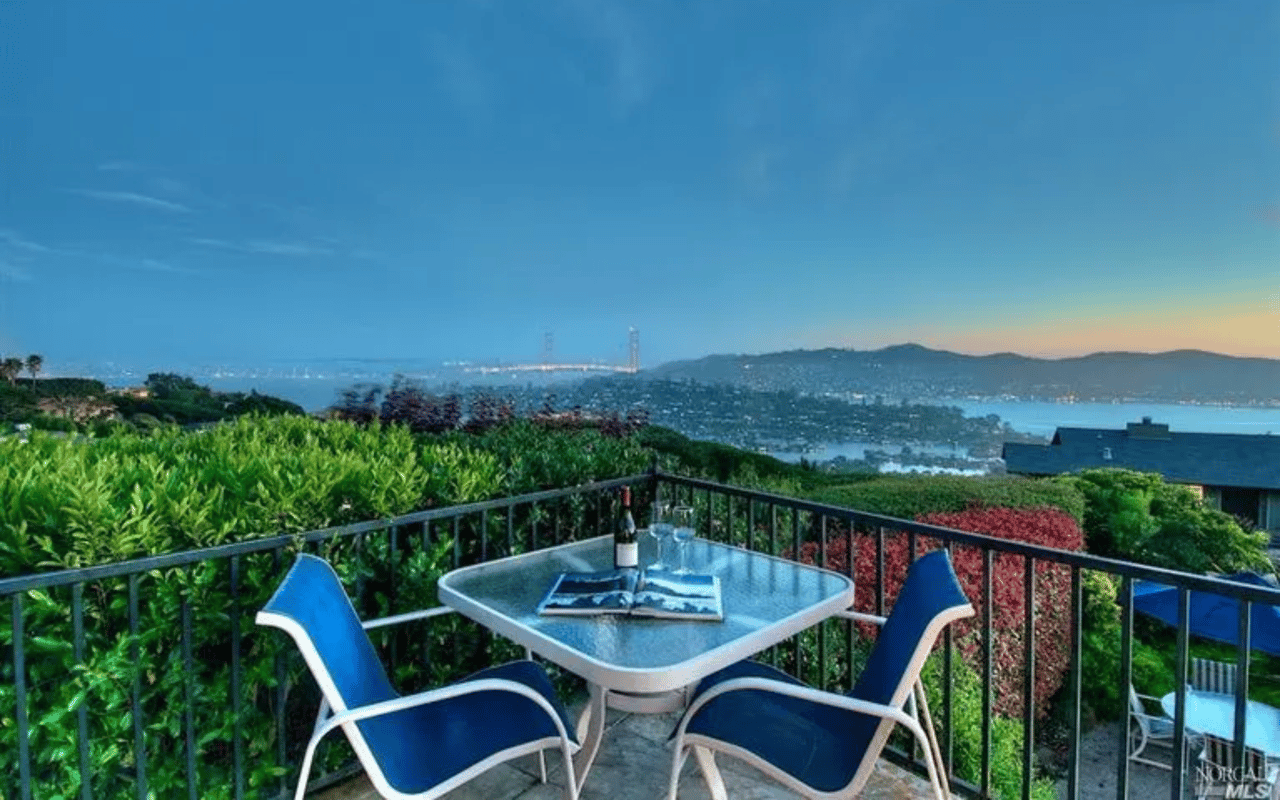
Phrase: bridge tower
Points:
(633, 349)
(548, 346)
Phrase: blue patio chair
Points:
(820, 744)
(420, 746)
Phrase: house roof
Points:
(1237, 460)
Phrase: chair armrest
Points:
(427, 613)
(858, 616)
(446, 693)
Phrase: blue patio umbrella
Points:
(1214, 616)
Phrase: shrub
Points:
(1136, 516)
(80, 503)
(65, 503)
(909, 496)
(1043, 526)
(535, 458)
(966, 732)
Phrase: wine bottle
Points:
(626, 551)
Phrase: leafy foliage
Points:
(1043, 526)
(68, 504)
(80, 503)
(1136, 516)
(966, 731)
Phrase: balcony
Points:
(148, 678)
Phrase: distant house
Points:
(1238, 473)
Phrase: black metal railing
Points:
(211, 660)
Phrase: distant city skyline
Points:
(257, 182)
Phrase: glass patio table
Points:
(1215, 714)
(644, 665)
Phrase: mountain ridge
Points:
(913, 371)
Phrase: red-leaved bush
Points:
(1044, 526)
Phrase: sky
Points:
(249, 181)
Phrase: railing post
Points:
(1126, 679)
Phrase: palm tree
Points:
(34, 363)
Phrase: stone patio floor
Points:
(634, 763)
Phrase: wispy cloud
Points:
(12, 272)
(459, 73)
(267, 247)
(755, 171)
(612, 26)
(287, 248)
(14, 240)
(219, 243)
(119, 166)
(152, 265)
(1270, 215)
(147, 201)
(138, 264)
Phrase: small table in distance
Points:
(644, 665)
(1215, 714)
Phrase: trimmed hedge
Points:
(909, 496)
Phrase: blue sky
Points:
(242, 181)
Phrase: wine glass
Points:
(660, 529)
(681, 532)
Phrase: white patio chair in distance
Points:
(820, 744)
(421, 746)
(1147, 729)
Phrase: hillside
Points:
(912, 371)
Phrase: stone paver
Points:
(634, 763)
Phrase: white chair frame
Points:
(918, 722)
(1138, 713)
(328, 718)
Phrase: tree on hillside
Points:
(35, 362)
(10, 368)
(169, 386)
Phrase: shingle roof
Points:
(1245, 461)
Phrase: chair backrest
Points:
(1208, 675)
(1137, 711)
(930, 599)
(312, 607)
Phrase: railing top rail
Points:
(66, 577)
(1126, 569)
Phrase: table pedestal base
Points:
(590, 728)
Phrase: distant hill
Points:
(913, 371)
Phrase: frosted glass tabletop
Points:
(1215, 714)
(766, 600)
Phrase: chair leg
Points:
(706, 759)
(938, 769)
(590, 730)
(681, 753)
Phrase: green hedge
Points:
(69, 503)
(80, 502)
(909, 496)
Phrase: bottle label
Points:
(626, 555)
